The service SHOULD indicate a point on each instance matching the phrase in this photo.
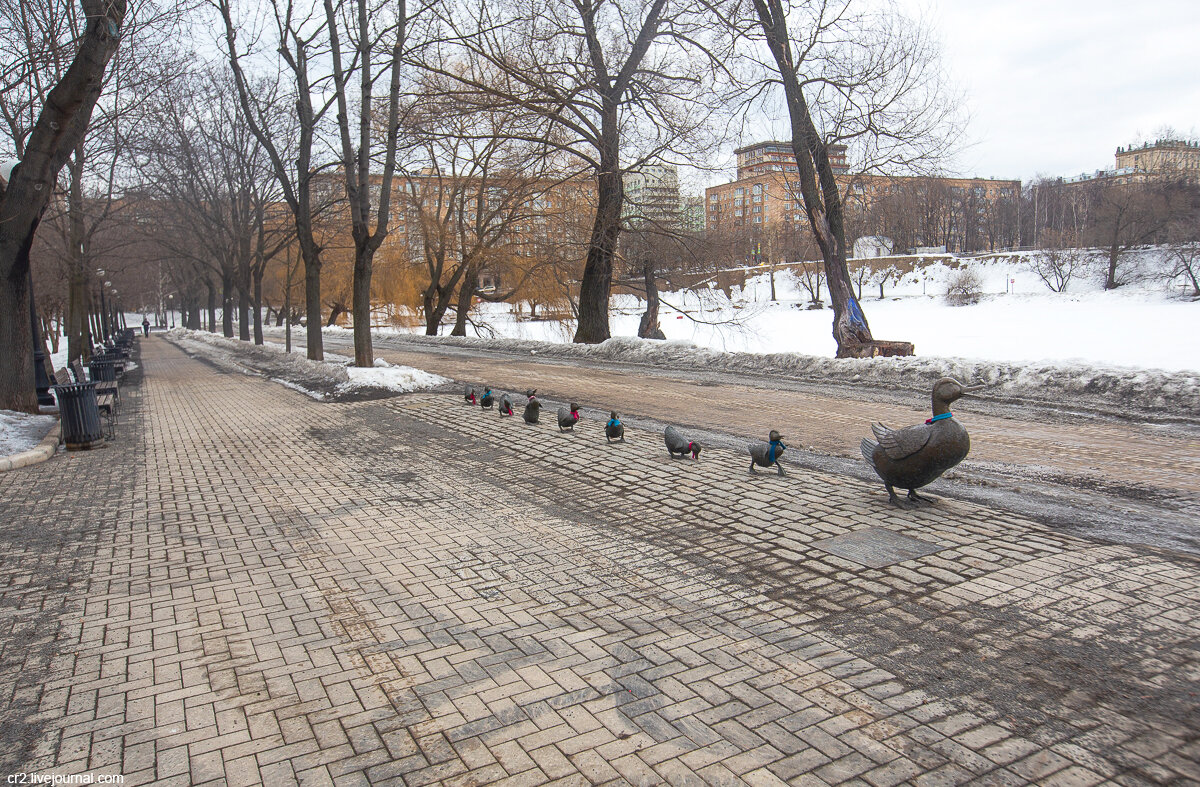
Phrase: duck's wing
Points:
(900, 443)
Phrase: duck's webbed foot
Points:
(895, 500)
(918, 500)
(779, 469)
(752, 470)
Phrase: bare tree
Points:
(297, 33)
(378, 35)
(1124, 215)
(861, 77)
(1061, 262)
(597, 72)
(62, 122)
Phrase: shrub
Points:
(965, 287)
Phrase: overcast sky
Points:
(1054, 86)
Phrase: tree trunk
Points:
(364, 353)
(822, 200)
(335, 311)
(243, 304)
(1114, 257)
(61, 124)
(17, 387)
(596, 285)
(212, 308)
(649, 328)
(466, 293)
(312, 305)
(258, 316)
(227, 305)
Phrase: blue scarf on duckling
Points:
(775, 444)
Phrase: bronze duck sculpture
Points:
(568, 418)
(678, 444)
(505, 405)
(533, 407)
(614, 429)
(914, 456)
(768, 453)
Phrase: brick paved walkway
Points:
(1156, 457)
(251, 586)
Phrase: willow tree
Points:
(860, 75)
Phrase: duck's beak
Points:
(970, 388)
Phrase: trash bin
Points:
(80, 415)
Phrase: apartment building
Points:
(766, 195)
(652, 196)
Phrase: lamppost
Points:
(171, 308)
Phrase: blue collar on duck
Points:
(771, 452)
(613, 422)
(941, 417)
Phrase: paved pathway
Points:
(1158, 457)
(250, 586)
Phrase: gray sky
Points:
(1055, 86)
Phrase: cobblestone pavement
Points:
(1166, 458)
(251, 586)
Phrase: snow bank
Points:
(331, 379)
(1086, 386)
(21, 431)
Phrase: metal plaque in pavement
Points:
(877, 547)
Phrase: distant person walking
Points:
(145, 325)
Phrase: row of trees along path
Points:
(603, 87)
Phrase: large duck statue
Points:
(914, 456)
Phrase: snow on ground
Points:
(329, 379)
(1134, 348)
(1018, 320)
(20, 432)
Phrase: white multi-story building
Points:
(652, 196)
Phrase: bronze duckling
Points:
(533, 407)
(568, 418)
(505, 405)
(767, 454)
(915, 456)
(614, 429)
(678, 444)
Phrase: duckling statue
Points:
(614, 429)
(469, 395)
(487, 400)
(767, 454)
(678, 444)
(915, 456)
(568, 418)
(505, 405)
(533, 407)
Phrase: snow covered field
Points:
(1138, 327)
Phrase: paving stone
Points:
(263, 588)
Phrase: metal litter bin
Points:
(80, 415)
